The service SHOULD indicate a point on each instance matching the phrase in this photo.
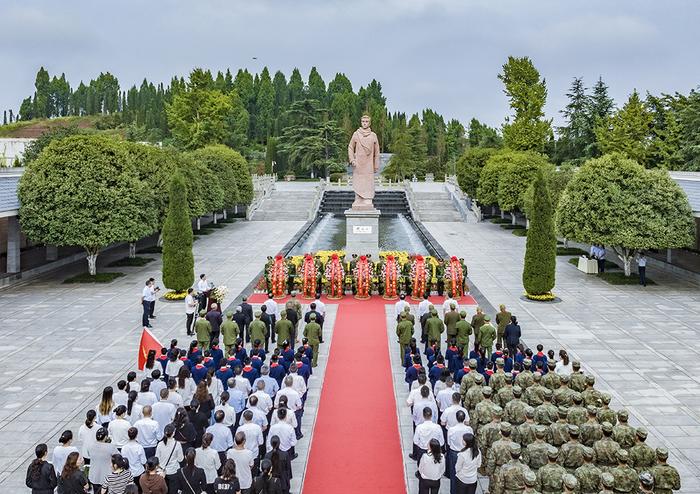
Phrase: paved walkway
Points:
(641, 343)
(61, 344)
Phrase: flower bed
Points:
(172, 295)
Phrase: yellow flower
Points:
(541, 297)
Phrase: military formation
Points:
(540, 428)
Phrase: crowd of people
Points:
(531, 421)
(221, 415)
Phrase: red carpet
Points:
(356, 446)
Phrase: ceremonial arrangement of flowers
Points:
(334, 273)
(218, 293)
(545, 297)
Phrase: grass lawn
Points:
(98, 278)
(519, 232)
(500, 221)
(213, 226)
(570, 251)
(131, 261)
(512, 227)
(156, 249)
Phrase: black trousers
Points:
(152, 308)
(462, 488)
(601, 265)
(426, 486)
(188, 323)
(642, 275)
(146, 312)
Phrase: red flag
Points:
(148, 342)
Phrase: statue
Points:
(363, 154)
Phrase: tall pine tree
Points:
(540, 253)
(178, 260)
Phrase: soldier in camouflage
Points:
(498, 455)
(483, 410)
(623, 433)
(607, 481)
(535, 454)
(577, 380)
(525, 433)
(489, 433)
(515, 408)
(505, 394)
(498, 379)
(550, 478)
(551, 380)
(559, 430)
(577, 413)
(571, 453)
(547, 413)
(562, 396)
(525, 379)
(588, 475)
(474, 395)
(531, 483)
(590, 394)
(626, 479)
(605, 450)
(666, 477)
(513, 473)
(646, 482)
(534, 395)
(642, 457)
(605, 413)
(570, 483)
(591, 430)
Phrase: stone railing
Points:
(464, 204)
(320, 189)
(263, 185)
(411, 199)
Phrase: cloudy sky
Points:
(443, 54)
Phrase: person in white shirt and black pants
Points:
(146, 297)
(430, 469)
(190, 308)
(642, 267)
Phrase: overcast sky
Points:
(442, 54)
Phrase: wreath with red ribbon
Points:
(455, 276)
(335, 274)
(419, 277)
(390, 277)
(278, 274)
(308, 277)
(363, 277)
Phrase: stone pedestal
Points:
(362, 232)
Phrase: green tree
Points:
(265, 107)
(557, 180)
(316, 88)
(26, 109)
(666, 133)
(295, 86)
(84, 190)
(35, 147)
(519, 171)
(487, 190)
(627, 131)
(455, 140)
(401, 165)
(42, 94)
(540, 252)
(221, 162)
(576, 134)
(419, 146)
(178, 260)
(481, 135)
(527, 94)
(689, 120)
(469, 168)
(614, 201)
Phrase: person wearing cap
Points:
(515, 408)
(626, 479)
(623, 433)
(464, 331)
(551, 379)
(605, 450)
(547, 413)
(642, 457)
(535, 454)
(590, 395)
(550, 477)
(530, 483)
(498, 378)
(666, 477)
(202, 329)
(577, 379)
(607, 481)
(451, 317)
(486, 335)
(257, 329)
(404, 333)
(563, 396)
(502, 320)
(577, 413)
(488, 433)
(605, 413)
(571, 452)
(499, 452)
(434, 328)
(314, 334)
(505, 394)
(524, 433)
(465, 376)
(525, 378)
(483, 411)
(474, 394)
(283, 330)
(247, 311)
(478, 320)
(646, 482)
(588, 475)
(559, 430)
(424, 323)
(570, 483)
(534, 395)
(512, 475)
(229, 332)
(591, 430)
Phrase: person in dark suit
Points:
(215, 319)
(241, 320)
(293, 317)
(247, 310)
(512, 335)
(312, 310)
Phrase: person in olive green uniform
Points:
(502, 320)
(202, 329)
(312, 332)
(404, 333)
(485, 336)
(451, 320)
(464, 331)
(409, 317)
(229, 333)
(257, 328)
(283, 330)
(478, 320)
(434, 327)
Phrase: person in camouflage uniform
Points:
(666, 477)
(524, 434)
(534, 395)
(605, 413)
(590, 394)
(605, 450)
(489, 432)
(550, 478)
(607, 481)
(525, 379)
(642, 457)
(623, 433)
(515, 408)
(626, 479)
(468, 379)
(502, 320)
(591, 430)
(464, 331)
(577, 414)
(530, 483)
(646, 482)
(535, 454)
(512, 477)
(474, 396)
(547, 413)
(483, 412)
(577, 379)
(563, 396)
(498, 380)
(588, 475)
(571, 452)
(498, 455)
(559, 430)
(505, 394)
(551, 379)
(570, 483)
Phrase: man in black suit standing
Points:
(247, 310)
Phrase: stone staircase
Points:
(435, 206)
(286, 205)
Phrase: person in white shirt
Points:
(299, 384)
(134, 411)
(86, 433)
(455, 439)
(320, 306)
(289, 416)
(135, 453)
(149, 432)
(222, 438)
(242, 383)
(431, 467)
(424, 402)
(642, 268)
(163, 411)
(174, 396)
(448, 302)
(271, 386)
(264, 402)
(190, 309)
(424, 432)
(259, 416)
(400, 306)
(244, 459)
(118, 428)
(424, 305)
(146, 396)
(228, 411)
(61, 452)
(121, 396)
(293, 397)
(169, 454)
(155, 385)
(563, 367)
(208, 459)
(468, 462)
(253, 433)
(203, 286)
(284, 432)
(272, 309)
(416, 389)
(443, 392)
(448, 418)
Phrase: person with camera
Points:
(155, 289)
